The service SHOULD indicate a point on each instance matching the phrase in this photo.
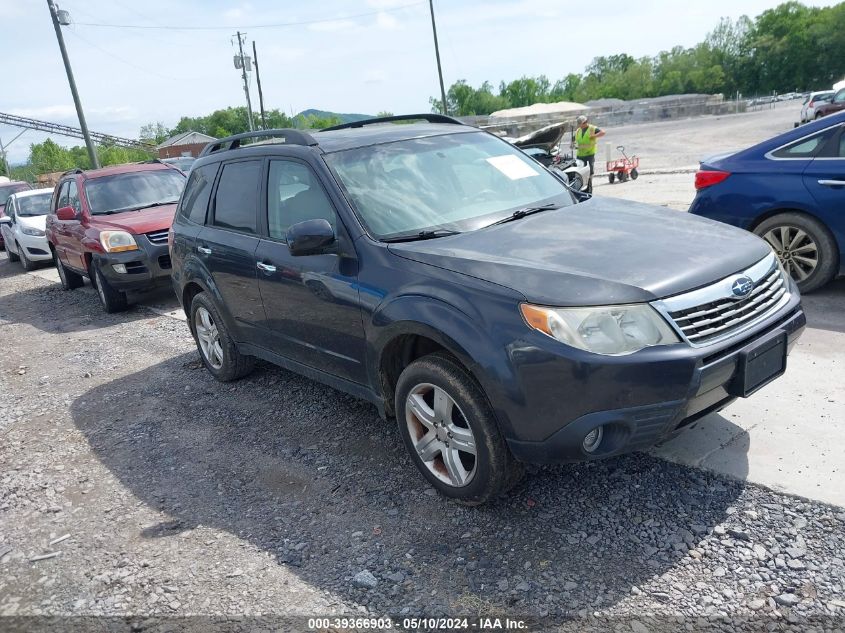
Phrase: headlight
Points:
(117, 241)
(609, 330)
(28, 230)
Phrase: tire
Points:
(634, 174)
(611, 177)
(69, 279)
(27, 264)
(818, 116)
(13, 257)
(576, 182)
(457, 474)
(810, 257)
(112, 300)
(232, 365)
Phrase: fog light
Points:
(119, 268)
(593, 439)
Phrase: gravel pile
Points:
(132, 483)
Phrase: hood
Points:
(33, 222)
(599, 252)
(143, 221)
(546, 138)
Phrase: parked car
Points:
(23, 227)
(836, 104)
(6, 190)
(111, 225)
(790, 190)
(182, 162)
(808, 110)
(440, 273)
(543, 145)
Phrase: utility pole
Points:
(246, 82)
(437, 54)
(258, 83)
(54, 15)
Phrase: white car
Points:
(23, 227)
(808, 110)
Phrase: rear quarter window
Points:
(194, 204)
(804, 148)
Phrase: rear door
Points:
(825, 178)
(226, 246)
(311, 301)
(189, 221)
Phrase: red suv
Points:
(836, 104)
(6, 190)
(111, 226)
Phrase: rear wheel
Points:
(112, 300)
(25, 261)
(69, 279)
(634, 174)
(451, 433)
(804, 246)
(218, 351)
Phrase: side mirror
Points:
(311, 237)
(66, 213)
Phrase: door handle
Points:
(267, 268)
(204, 250)
(832, 183)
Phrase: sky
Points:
(341, 55)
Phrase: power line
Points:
(279, 25)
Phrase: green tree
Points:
(154, 133)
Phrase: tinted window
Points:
(73, 197)
(842, 145)
(197, 193)
(804, 148)
(132, 191)
(840, 97)
(61, 198)
(294, 195)
(236, 202)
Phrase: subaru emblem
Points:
(742, 287)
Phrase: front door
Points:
(311, 302)
(226, 247)
(825, 178)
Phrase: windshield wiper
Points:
(422, 235)
(521, 213)
(135, 208)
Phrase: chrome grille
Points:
(711, 314)
(158, 237)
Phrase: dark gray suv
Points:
(443, 275)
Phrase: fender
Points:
(194, 272)
(470, 336)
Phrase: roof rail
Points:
(75, 170)
(430, 117)
(291, 137)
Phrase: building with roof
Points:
(185, 144)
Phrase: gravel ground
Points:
(153, 490)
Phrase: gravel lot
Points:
(159, 492)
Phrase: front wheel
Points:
(112, 300)
(611, 177)
(13, 257)
(451, 433)
(26, 262)
(804, 246)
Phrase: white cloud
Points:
(387, 21)
(332, 26)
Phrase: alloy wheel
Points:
(797, 251)
(208, 337)
(441, 434)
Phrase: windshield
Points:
(34, 205)
(457, 181)
(8, 190)
(134, 190)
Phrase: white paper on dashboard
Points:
(512, 167)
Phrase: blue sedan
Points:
(789, 190)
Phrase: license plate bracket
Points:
(761, 364)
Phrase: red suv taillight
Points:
(706, 178)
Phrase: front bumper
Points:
(37, 248)
(667, 388)
(146, 268)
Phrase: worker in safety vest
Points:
(586, 140)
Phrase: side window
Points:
(197, 193)
(61, 197)
(840, 97)
(236, 200)
(803, 148)
(73, 197)
(294, 194)
(842, 144)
